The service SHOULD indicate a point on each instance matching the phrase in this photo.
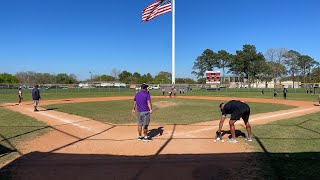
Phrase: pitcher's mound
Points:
(163, 104)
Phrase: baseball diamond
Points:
(75, 141)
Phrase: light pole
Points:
(90, 78)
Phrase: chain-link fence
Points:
(98, 88)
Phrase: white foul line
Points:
(283, 114)
(255, 119)
(66, 121)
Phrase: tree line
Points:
(275, 64)
(31, 78)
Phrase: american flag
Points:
(156, 9)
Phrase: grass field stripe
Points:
(66, 121)
(255, 119)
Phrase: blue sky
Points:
(79, 36)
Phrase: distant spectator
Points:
(174, 91)
(274, 93)
(262, 92)
(314, 90)
(36, 97)
(163, 90)
(285, 93)
(182, 90)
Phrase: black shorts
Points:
(244, 114)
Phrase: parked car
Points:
(157, 87)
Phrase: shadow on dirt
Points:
(39, 166)
(49, 109)
(238, 134)
(155, 132)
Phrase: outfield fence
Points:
(75, 88)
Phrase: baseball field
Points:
(92, 135)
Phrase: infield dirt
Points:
(81, 148)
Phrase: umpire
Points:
(238, 110)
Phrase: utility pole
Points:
(90, 81)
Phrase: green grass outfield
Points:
(14, 129)
(11, 95)
(184, 111)
(289, 149)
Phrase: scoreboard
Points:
(212, 77)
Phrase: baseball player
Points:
(238, 110)
(36, 97)
(274, 93)
(20, 95)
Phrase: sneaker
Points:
(249, 139)
(36, 110)
(147, 139)
(232, 140)
(140, 138)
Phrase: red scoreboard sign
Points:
(213, 77)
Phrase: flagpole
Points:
(173, 42)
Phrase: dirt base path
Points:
(81, 148)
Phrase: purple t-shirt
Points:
(141, 99)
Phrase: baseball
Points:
(214, 140)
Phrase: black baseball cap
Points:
(144, 86)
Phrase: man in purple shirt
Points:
(142, 102)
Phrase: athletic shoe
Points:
(146, 139)
(249, 139)
(36, 110)
(218, 136)
(232, 140)
(140, 138)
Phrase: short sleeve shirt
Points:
(142, 99)
(234, 106)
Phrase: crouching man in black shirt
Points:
(238, 110)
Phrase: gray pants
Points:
(143, 119)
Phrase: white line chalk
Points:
(254, 119)
(66, 121)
